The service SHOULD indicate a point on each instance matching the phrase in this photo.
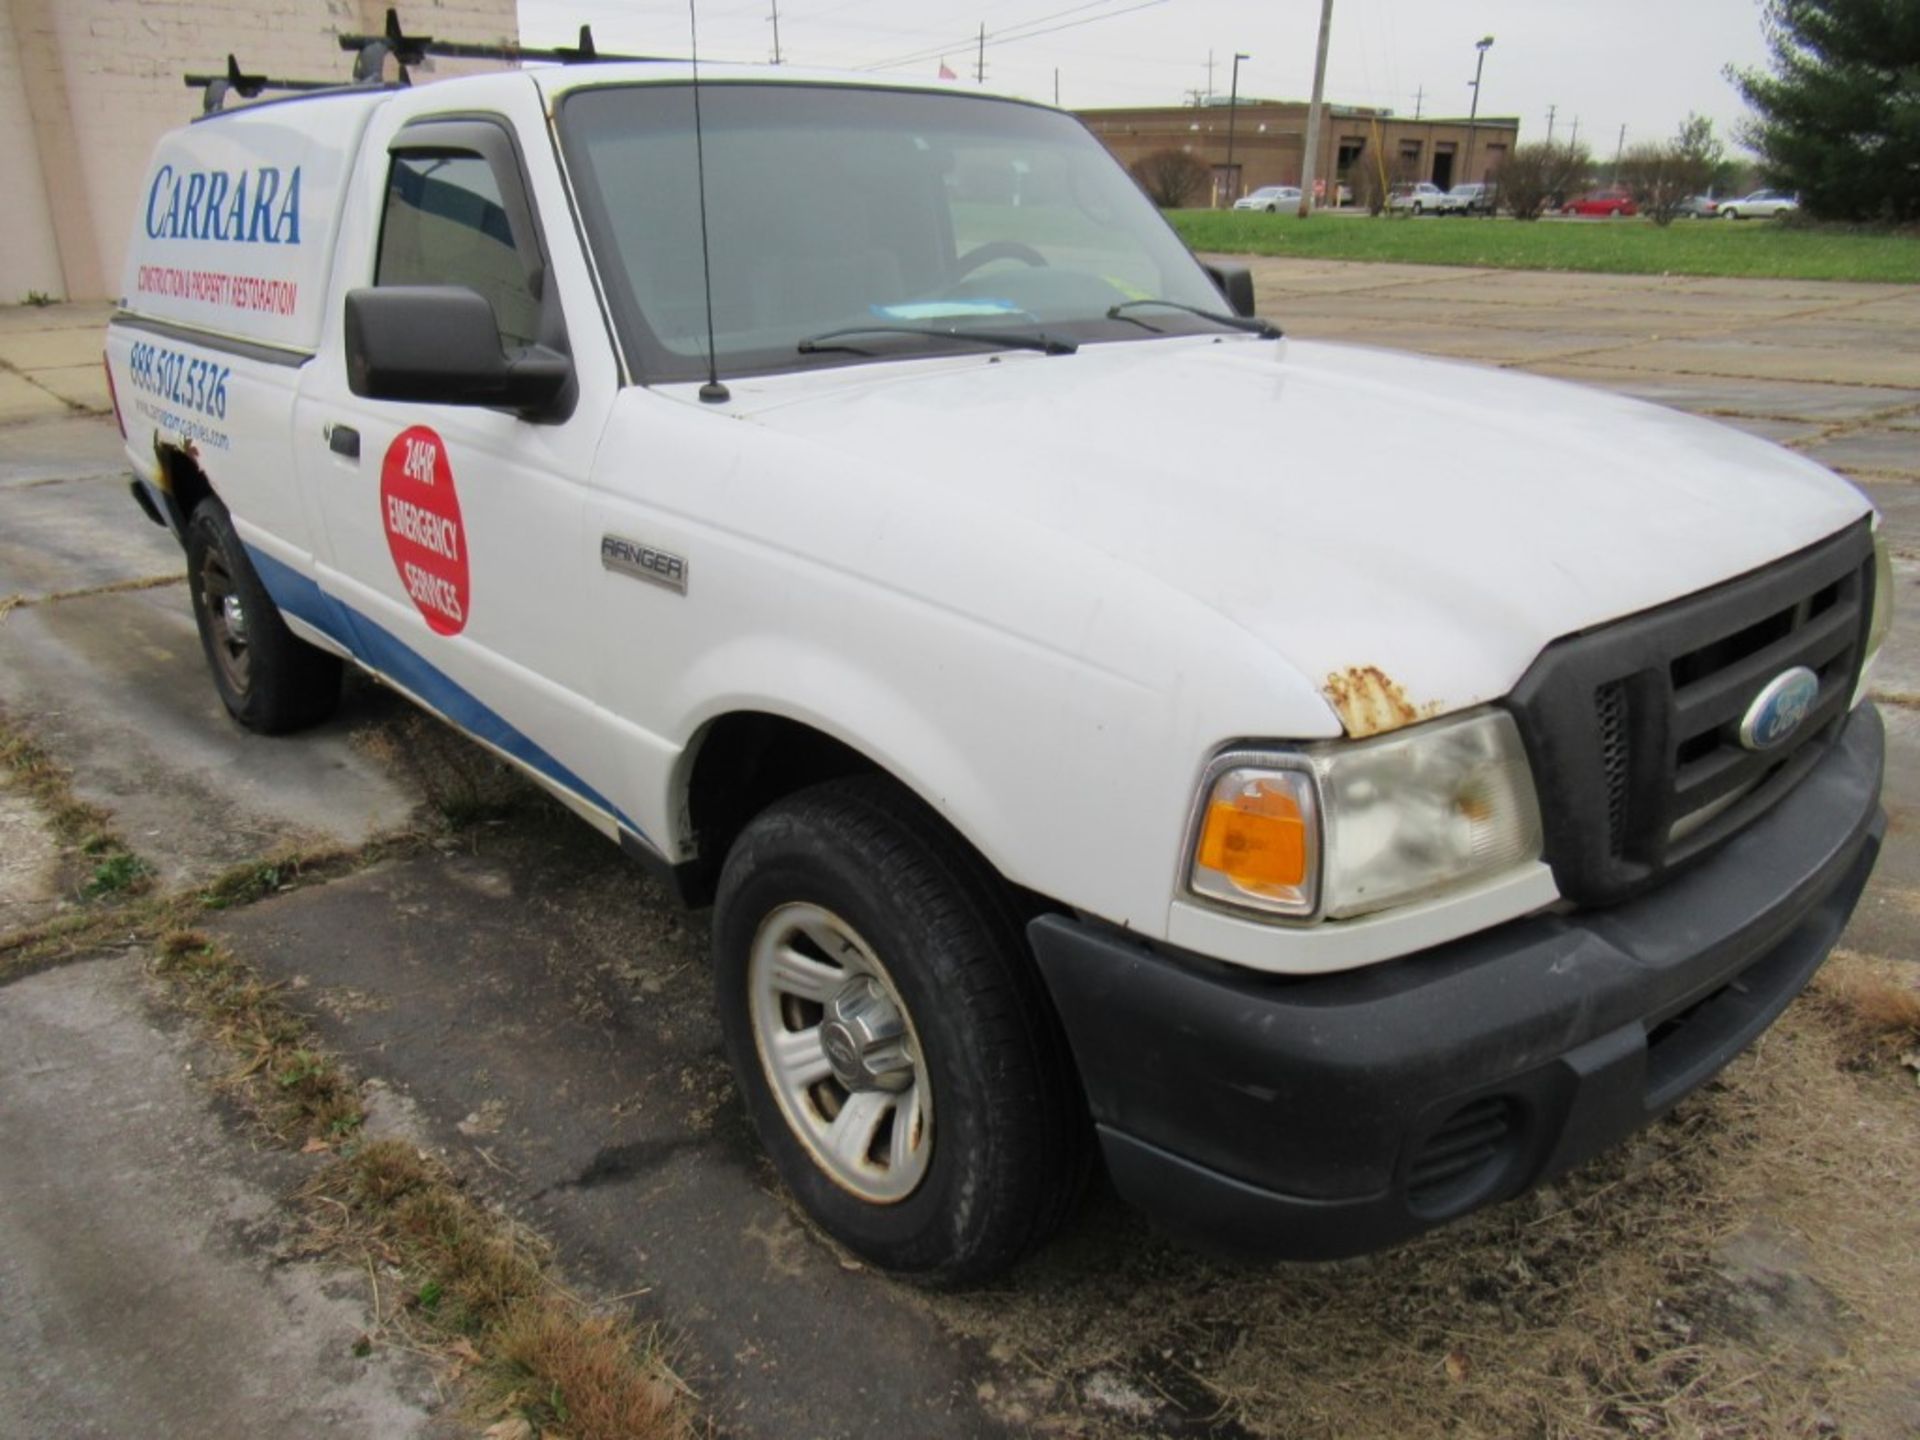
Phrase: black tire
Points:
(1010, 1142)
(269, 679)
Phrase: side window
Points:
(445, 224)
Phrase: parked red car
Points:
(1602, 202)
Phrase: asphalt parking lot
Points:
(532, 1008)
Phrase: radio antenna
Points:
(713, 392)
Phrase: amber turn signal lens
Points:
(1256, 837)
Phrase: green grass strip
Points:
(1753, 249)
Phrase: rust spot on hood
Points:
(1368, 702)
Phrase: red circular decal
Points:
(422, 516)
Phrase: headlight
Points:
(1342, 829)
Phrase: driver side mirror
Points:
(440, 345)
(1235, 284)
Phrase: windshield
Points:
(831, 207)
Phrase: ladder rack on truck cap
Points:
(408, 51)
(247, 87)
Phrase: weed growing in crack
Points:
(477, 1289)
(121, 873)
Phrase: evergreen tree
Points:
(1839, 117)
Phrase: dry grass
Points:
(112, 587)
(108, 869)
(465, 1282)
(461, 781)
(279, 1070)
(1746, 1268)
(477, 1289)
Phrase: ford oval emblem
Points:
(1776, 712)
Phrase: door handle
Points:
(344, 440)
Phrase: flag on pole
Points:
(945, 73)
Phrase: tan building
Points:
(1269, 140)
(87, 86)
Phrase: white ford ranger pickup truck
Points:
(891, 550)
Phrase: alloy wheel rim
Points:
(840, 1053)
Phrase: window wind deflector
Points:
(1265, 329)
(1002, 339)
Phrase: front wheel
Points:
(897, 1050)
(269, 679)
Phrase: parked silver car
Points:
(1270, 198)
(1760, 205)
(1472, 198)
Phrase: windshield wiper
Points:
(1006, 339)
(1265, 329)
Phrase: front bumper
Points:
(1332, 1115)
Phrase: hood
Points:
(1407, 533)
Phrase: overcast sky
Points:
(1639, 63)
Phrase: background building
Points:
(87, 86)
(1269, 140)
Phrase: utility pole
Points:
(1550, 111)
(980, 64)
(1056, 87)
(1233, 105)
(1574, 139)
(1483, 44)
(776, 32)
(1419, 98)
(1618, 151)
(1313, 111)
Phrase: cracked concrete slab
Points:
(1886, 452)
(64, 535)
(144, 1293)
(61, 447)
(549, 1015)
(29, 862)
(115, 687)
(21, 399)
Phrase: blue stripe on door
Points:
(383, 652)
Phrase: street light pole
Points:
(1311, 156)
(1484, 44)
(1233, 104)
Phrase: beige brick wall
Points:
(93, 83)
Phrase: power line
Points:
(1007, 36)
(909, 59)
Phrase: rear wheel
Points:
(269, 679)
(897, 1051)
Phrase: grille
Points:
(1633, 728)
(1449, 1171)
(1610, 704)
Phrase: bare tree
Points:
(1540, 176)
(1171, 178)
(1662, 178)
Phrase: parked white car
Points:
(1339, 837)
(1760, 205)
(1422, 198)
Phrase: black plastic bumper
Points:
(1327, 1116)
